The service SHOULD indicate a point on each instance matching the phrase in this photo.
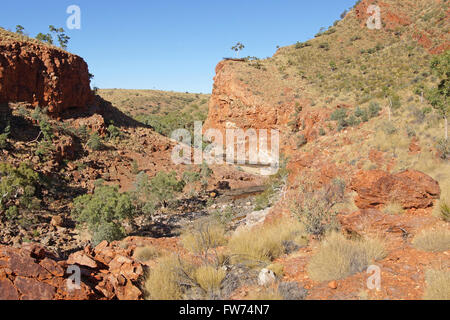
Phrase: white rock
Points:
(266, 277)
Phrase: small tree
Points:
(438, 97)
(238, 48)
(20, 29)
(45, 38)
(63, 39)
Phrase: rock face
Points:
(43, 76)
(233, 105)
(412, 189)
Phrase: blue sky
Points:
(172, 44)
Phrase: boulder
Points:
(410, 188)
(266, 277)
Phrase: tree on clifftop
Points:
(438, 96)
(237, 48)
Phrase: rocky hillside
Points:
(363, 190)
(346, 64)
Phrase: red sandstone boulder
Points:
(412, 189)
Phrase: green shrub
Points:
(339, 114)
(95, 142)
(103, 212)
(17, 184)
(223, 216)
(12, 213)
(113, 132)
(3, 141)
(44, 149)
(164, 186)
(374, 109)
(263, 200)
(4, 137)
(142, 195)
(317, 208)
(191, 177)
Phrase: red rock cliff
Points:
(44, 76)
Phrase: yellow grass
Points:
(438, 285)
(339, 257)
(434, 240)
(163, 281)
(264, 243)
(209, 278)
(203, 237)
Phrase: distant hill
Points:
(163, 110)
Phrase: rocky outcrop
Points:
(34, 273)
(412, 189)
(43, 76)
(236, 104)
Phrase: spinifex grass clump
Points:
(435, 240)
(264, 243)
(339, 257)
(438, 285)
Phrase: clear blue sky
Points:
(172, 44)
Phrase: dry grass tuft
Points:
(203, 237)
(264, 243)
(209, 278)
(434, 240)
(339, 257)
(163, 281)
(267, 294)
(438, 285)
(393, 208)
(277, 268)
(144, 254)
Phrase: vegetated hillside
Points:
(164, 111)
(364, 146)
(347, 93)
(9, 36)
(346, 63)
